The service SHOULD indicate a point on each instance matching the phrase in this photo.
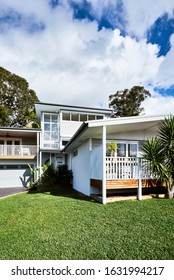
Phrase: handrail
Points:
(125, 168)
(18, 150)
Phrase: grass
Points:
(57, 226)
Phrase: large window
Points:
(124, 149)
(51, 131)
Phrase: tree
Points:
(159, 151)
(4, 116)
(127, 102)
(16, 99)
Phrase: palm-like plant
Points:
(112, 147)
(159, 151)
(31, 119)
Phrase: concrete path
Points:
(10, 191)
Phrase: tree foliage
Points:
(159, 151)
(127, 102)
(16, 99)
(4, 116)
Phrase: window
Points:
(75, 153)
(99, 117)
(10, 146)
(83, 118)
(127, 149)
(64, 142)
(66, 116)
(121, 151)
(91, 117)
(14, 167)
(75, 117)
(132, 150)
(51, 131)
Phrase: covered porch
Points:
(123, 170)
(126, 171)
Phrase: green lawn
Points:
(49, 226)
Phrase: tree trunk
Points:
(170, 193)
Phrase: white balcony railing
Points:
(126, 168)
(18, 150)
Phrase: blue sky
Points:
(81, 51)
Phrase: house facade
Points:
(79, 137)
(20, 147)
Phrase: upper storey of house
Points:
(60, 122)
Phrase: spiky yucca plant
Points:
(159, 151)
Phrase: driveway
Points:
(10, 191)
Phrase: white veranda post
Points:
(139, 180)
(104, 165)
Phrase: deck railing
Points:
(18, 150)
(126, 168)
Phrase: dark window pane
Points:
(83, 118)
(91, 117)
(75, 117)
(66, 116)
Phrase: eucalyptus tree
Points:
(127, 102)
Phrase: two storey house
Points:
(21, 147)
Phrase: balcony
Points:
(18, 151)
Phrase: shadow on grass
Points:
(62, 190)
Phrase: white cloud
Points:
(159, 105)
(138, 16)
(72, 62)
(141, 15)
(164, 78)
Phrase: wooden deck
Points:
(123, 184)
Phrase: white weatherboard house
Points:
(78, 136)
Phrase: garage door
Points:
(14, 176)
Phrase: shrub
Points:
(63, 175)
(48, 178)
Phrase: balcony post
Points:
(37, 156)
(104, 165)
(40, 167)
(139, 180)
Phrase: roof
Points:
(93, 129)
(55, 108)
